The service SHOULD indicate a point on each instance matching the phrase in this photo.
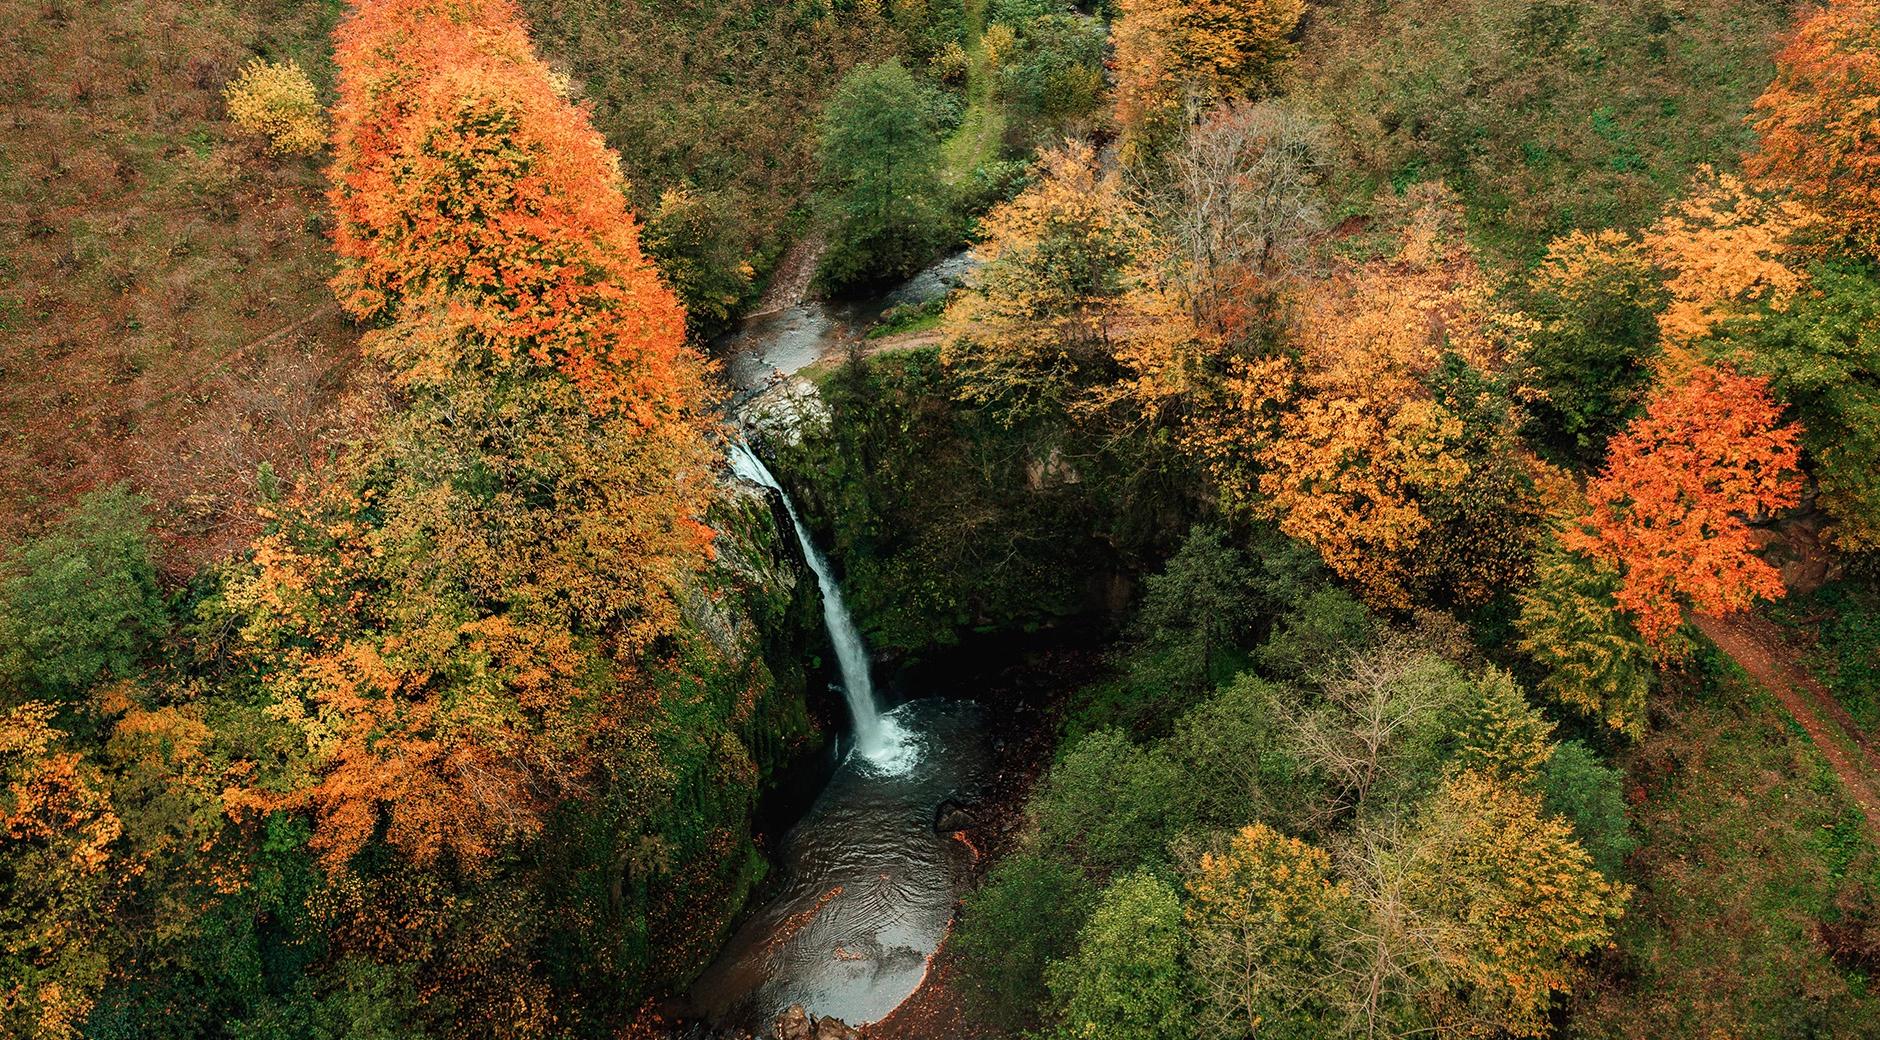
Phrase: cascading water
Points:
(877, 739)
(865, 885)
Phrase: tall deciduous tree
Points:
(1669, 510)
(1511, 900)
(1819, 124)
(1353, 451)
(880, 160)
(1264, 919)
(1726, 249)
(454, 619)
(1036, 331)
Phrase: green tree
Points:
(1197, 612)
(1025, 915)
(1109, 805)
(1324, 627)
(1593, 659)
(1587, 367)
(703, 247)
(1822, 356)
(1589, 794)
(80, 602)
(880, 167)
(1502, 734)
(1126, 980)
(355, 1000)
(1237, 757)
(1054, 76)
(1264, 919)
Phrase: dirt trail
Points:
(1757, 644)
(789, 283)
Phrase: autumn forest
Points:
(940, 519)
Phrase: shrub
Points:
(80, 602)
(1025, 916)
(276, 99)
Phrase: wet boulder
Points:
(835, 1029)
(953, 815)
(795, 1024)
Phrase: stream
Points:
(865, 886)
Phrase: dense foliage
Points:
(1380, 402)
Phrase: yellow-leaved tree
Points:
(276, 99)
(1726, 249)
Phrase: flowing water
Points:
(876, 739)
(865, 887)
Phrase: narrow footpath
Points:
(1756, 644)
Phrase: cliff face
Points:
(737, 689)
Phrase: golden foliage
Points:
(1348, 442)
(1725, 247)
(1262, 916)
(277, 100)
(1169, 51)
(1513, 901)
(57, 877)
(1037, 331)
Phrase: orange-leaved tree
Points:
(455, 622)
(1820, 120)
(1669, 510)
(465, 183)
(58, 873)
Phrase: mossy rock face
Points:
(946, 524)
(734, 688)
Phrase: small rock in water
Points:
(835, 1029)
(795, 1025)
(952, 815)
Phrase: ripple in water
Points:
(866, 888)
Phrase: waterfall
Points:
(876, 738)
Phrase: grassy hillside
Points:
(712, 107)
(1755, 909)
(163, 310)
(1546, 115)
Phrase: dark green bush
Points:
(80, 602)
